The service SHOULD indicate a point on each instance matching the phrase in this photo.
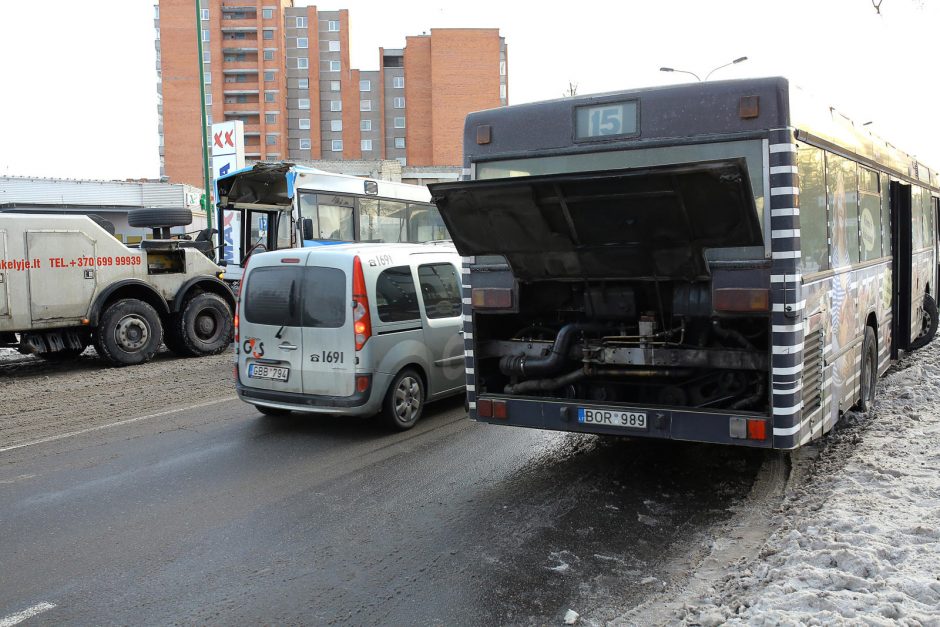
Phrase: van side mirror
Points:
(307, 228)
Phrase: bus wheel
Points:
(869, 375)
(928, 325)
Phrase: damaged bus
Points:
(723, 262)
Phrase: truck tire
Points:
(203, 327)
(929, 325)
(159, 218)
(129, 332)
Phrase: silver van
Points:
(351, 329)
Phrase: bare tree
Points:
(572, 90)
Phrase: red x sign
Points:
(228, 139)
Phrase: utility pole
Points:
(207, 205)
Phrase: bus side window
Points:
(917, 218)
(885, 215)
(842, 186)
(869, 204)
(814, 219)
(308, 217)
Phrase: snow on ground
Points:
(859, 539)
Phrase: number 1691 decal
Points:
(328, 357)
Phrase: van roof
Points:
(354, 248)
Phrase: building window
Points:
(399, 142)
(270, 140)
(205, 13)
(398, 102)
(336, 145)
(333, 46)
(402, 160)
(206, 56)
(208, 99)
(502, 91)
(502, 68)
(336, 126)
(365, 85)
(268, 35)
(334, 85)
(270, 118)
(208, 78)
(366, 144)
(269, 55)
(334, 66)
(205, 35)
(304, 144)
(336, 105)
(303, 123)
(268, 76)
(269, 96)
(156, 11)
(267, 14)
(365, 105)
(365, 125)
(302, 63)
(303, 103)
(303, 83)
(332, 26)
(209, 120)
(302, 42)
(398, 82)
(399, 122)
(301, 22)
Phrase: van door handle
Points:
(287, 347)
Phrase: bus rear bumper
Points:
(661, 423)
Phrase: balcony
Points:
(228, 48)
(239, 29)
(243, 108)
(240, 67)
(240, 91)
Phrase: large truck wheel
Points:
(203, 327)
(129, 332)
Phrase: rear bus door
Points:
(270, 335)
(329, 341)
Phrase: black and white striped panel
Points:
(786, 293)
(469, 362)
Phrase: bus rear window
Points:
(297, 296)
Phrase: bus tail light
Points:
(492, 409)
(491, 297)
(741, 299)
(362, 321)
(756, 429)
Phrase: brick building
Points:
(285, 72)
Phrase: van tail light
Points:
(741, 299)
(363, 383)
(491, 297)
(238, 298)
(362, 321)
(235, 323)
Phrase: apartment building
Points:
(285, 71)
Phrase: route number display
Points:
(614, 119)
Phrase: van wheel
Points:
(404, 400)
(128, 333)
(928, 325)
(272, 411)
(204, 327)
(868, 378)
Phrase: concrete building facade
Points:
(285, 71)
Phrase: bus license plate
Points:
(612, 418)
(256, 371)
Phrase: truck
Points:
(66, 284)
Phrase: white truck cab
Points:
(351, 329)
(66, 283)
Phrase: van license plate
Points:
(256, 371)
(612, 418)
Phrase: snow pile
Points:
(859, 540)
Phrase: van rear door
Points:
(271, 345)
(328, 337)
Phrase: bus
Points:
(726, 262)
(282, 205)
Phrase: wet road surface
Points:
(218, 515)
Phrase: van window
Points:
(395, 296)
(274, 297)
(325, 301)
(440, 290)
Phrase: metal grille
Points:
(812, 371)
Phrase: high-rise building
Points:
(284, 71)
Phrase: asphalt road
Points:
(218, 515)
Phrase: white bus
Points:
(281, 205)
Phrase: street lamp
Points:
(670, 69)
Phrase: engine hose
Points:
(551, 364)
(545, 385)
(748, 401)
(731, 335)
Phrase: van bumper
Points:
(358, 404)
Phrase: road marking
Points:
(29, 612)
(53, 438)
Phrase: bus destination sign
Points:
(612, 119)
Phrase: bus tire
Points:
(929, 325)
(868, 378)
(129, 332)
(404, 401)
(204, 326)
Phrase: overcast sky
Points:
(79, 99)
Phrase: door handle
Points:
(287, 347)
